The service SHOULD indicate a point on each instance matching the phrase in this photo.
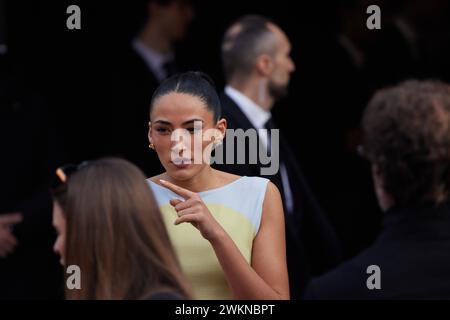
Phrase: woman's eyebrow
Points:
(192, 120)
(163, 122)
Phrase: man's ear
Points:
(377, 176)
(385, 200)
(264, 65)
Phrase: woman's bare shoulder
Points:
(273, 195)
(226, 177)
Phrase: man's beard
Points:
(277, 91)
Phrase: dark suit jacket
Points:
(312, 247)
(132, 87)
(412, 253)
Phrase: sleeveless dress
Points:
(237, 207)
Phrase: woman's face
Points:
(59, 222)
(182, 130)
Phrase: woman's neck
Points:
(204, 180)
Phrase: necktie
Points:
(269, 125)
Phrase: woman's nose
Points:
(179, 148)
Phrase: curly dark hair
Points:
(407, 137)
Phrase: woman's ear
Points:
(221, 126)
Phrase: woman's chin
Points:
(180, 174)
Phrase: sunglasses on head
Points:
(63, 173)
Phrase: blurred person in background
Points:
(30, 150)
(340, 68)
(109, 225)
(258, 67)
(139, 69)
(407, 141)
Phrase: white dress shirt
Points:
(154, 60)
(254, 113)
(258, 118)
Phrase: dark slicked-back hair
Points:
(407, 130)
(194, 83)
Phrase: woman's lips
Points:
(181, 163)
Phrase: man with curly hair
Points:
(407, 129)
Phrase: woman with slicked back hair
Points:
(227, 230)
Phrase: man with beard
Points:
(257, 65)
